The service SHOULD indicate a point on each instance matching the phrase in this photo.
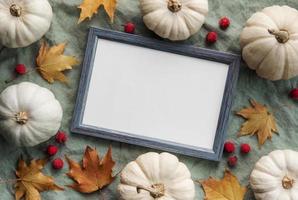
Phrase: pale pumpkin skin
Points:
(29, 114)
(269, 42)
(154, 176)
(23, 22)
(275, 176)
(174, 19)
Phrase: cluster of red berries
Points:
(52, 150)
(129, 27)
(294, 94)
(229, 147)
(21, 69)
(224, 23)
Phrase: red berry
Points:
(21, 69)
(232, 161)
(224, 22)
(129, 27)
(61, 137)
(294, 94)
(57, 163)
(52, 150)
(211, 37)
(229, 147)
(245, 148)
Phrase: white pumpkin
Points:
(174, 19)
(269, 42)
(275, 177)
(156, 176)
(29, 114)
(23, 22)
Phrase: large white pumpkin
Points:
(269, 42)
(156, 176)
(174, 19)
(29, 114)
(23, 22)
(275, 177)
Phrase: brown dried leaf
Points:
(227, 188)
(51, 62)
(31, 181)
(259, 121)
(94, 174)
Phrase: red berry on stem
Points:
(211, 37)
(232, 161)
(224, 23)
(61, 137)
(129, 27)
(21, 69)
(294, 94)
(229, 147)
(52, 150)
(245, 148)
(57, 163)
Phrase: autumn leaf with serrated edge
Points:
(90, 7)
(94, 174)
(227, 188)
(51, 62)
(31, 181)
(259, 121)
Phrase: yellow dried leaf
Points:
(90, 7)
(51, 62)
(94, 174)
(110, 7)
(227, 188)
(31, 181)
(259, 121)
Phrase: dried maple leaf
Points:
(94, 174)
(90, 7)
(227, 188)
(31, 181)
(259, 121)
(51, 62)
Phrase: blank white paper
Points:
(155, 94)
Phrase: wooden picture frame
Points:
(99, 38)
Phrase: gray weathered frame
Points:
(232, 60)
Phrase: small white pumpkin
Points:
(275, 176)
(156, 176)
(23, 22)
(29, 114)
(174, 19)
(269, 42)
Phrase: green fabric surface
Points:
(65, 29)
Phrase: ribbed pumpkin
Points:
(269, 42)
(29, 114)
(23, 22)
(174, 19)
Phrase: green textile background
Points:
(65, 29)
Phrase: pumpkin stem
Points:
(174, 5)
(282, 36)
(15, 10)
(21, 118)
(287, 183)
(156, 190)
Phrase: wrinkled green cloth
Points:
(65, 29)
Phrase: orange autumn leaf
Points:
(94, 174)
(227, 188)
(259, 121)
(51, 62)
(90, 7)
(31, 181)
